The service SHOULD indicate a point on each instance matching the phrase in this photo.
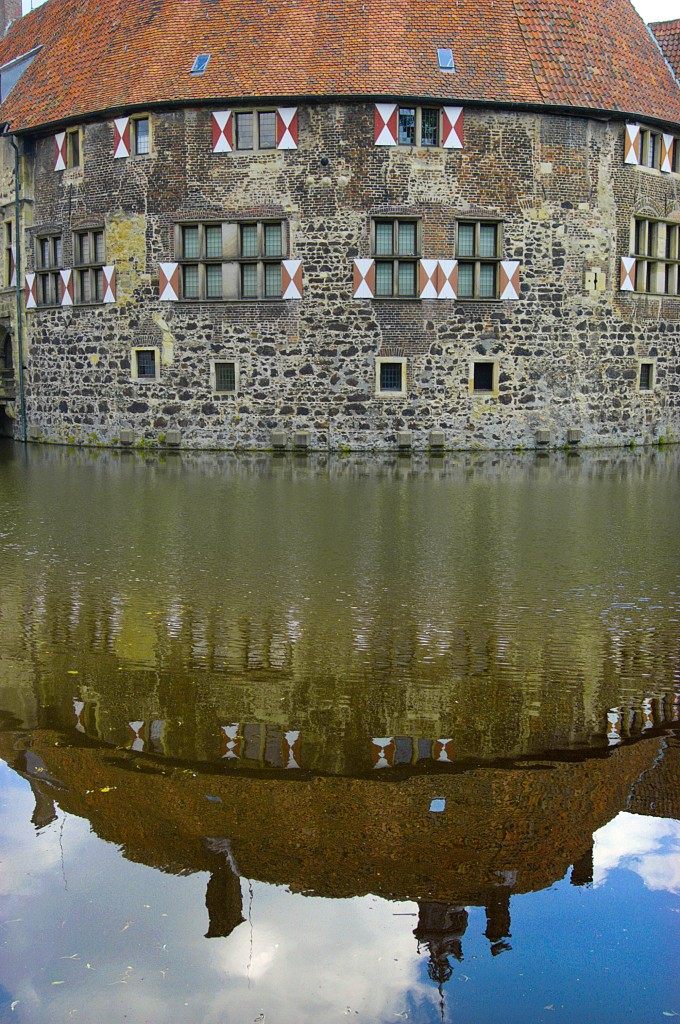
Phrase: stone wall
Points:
(567, 352)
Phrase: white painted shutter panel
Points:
(631, 144)
(364, 279)
(627, 273)
(509, 285)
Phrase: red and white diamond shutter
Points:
(364, 279)
(12, 265)
(121, 137)
(667, 144)
(448, 279)
(452, 127)
(438, 279)
(383, 750)
(109, 284)
(429, 273)
(509, 285)
(67, 293)
(31, 292)
(168, 282)
(632, 144)
(60, 151)
(291, 279)
(287, 128)
(222, 131)
(627, 274)
(290, 749)
(385, 124)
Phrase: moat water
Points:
(314, 739)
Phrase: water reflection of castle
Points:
(257, 744)
(506, 831)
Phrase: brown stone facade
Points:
(565, 353)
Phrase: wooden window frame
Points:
(232, 261)
(256, 146)
(396, 258)
(655, 244)
(418, 127)
(49, 285)
(88, 275)
(477, 259)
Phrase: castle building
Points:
(340, 224)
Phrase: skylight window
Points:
(445, 59)
(200, 64)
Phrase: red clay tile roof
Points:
(105, 55)
(668, 34)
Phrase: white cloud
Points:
(648, 846)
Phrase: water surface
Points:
(308, 738)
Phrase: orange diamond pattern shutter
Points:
(31, 292)
(364, 279)
(291, 279)
(60, 151)
(109, 284)
(667, 144)
(509, 284)
(632, 144)
(67, 293)
(627, 273)
(168, 282)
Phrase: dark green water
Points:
(232, 687)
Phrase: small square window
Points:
(144, 363)
(483, 376)
(390, 376)
(224, 377)
(646, 378)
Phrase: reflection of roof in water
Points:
(503, 830)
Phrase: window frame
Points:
(47, 274)
(477, 259)
(134, 363)
(655, 246)
(135, 119)
(256, 130)
(232, 260)
(214, 363)
(8, 246)
(396, 258)
(492, 361)
(418, 143)
(74, 153)
(89, 270)
(651, 363)
(381, 361)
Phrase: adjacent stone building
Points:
(340, 224)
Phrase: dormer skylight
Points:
(11, 72)
(200, 64)
(445, 59)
